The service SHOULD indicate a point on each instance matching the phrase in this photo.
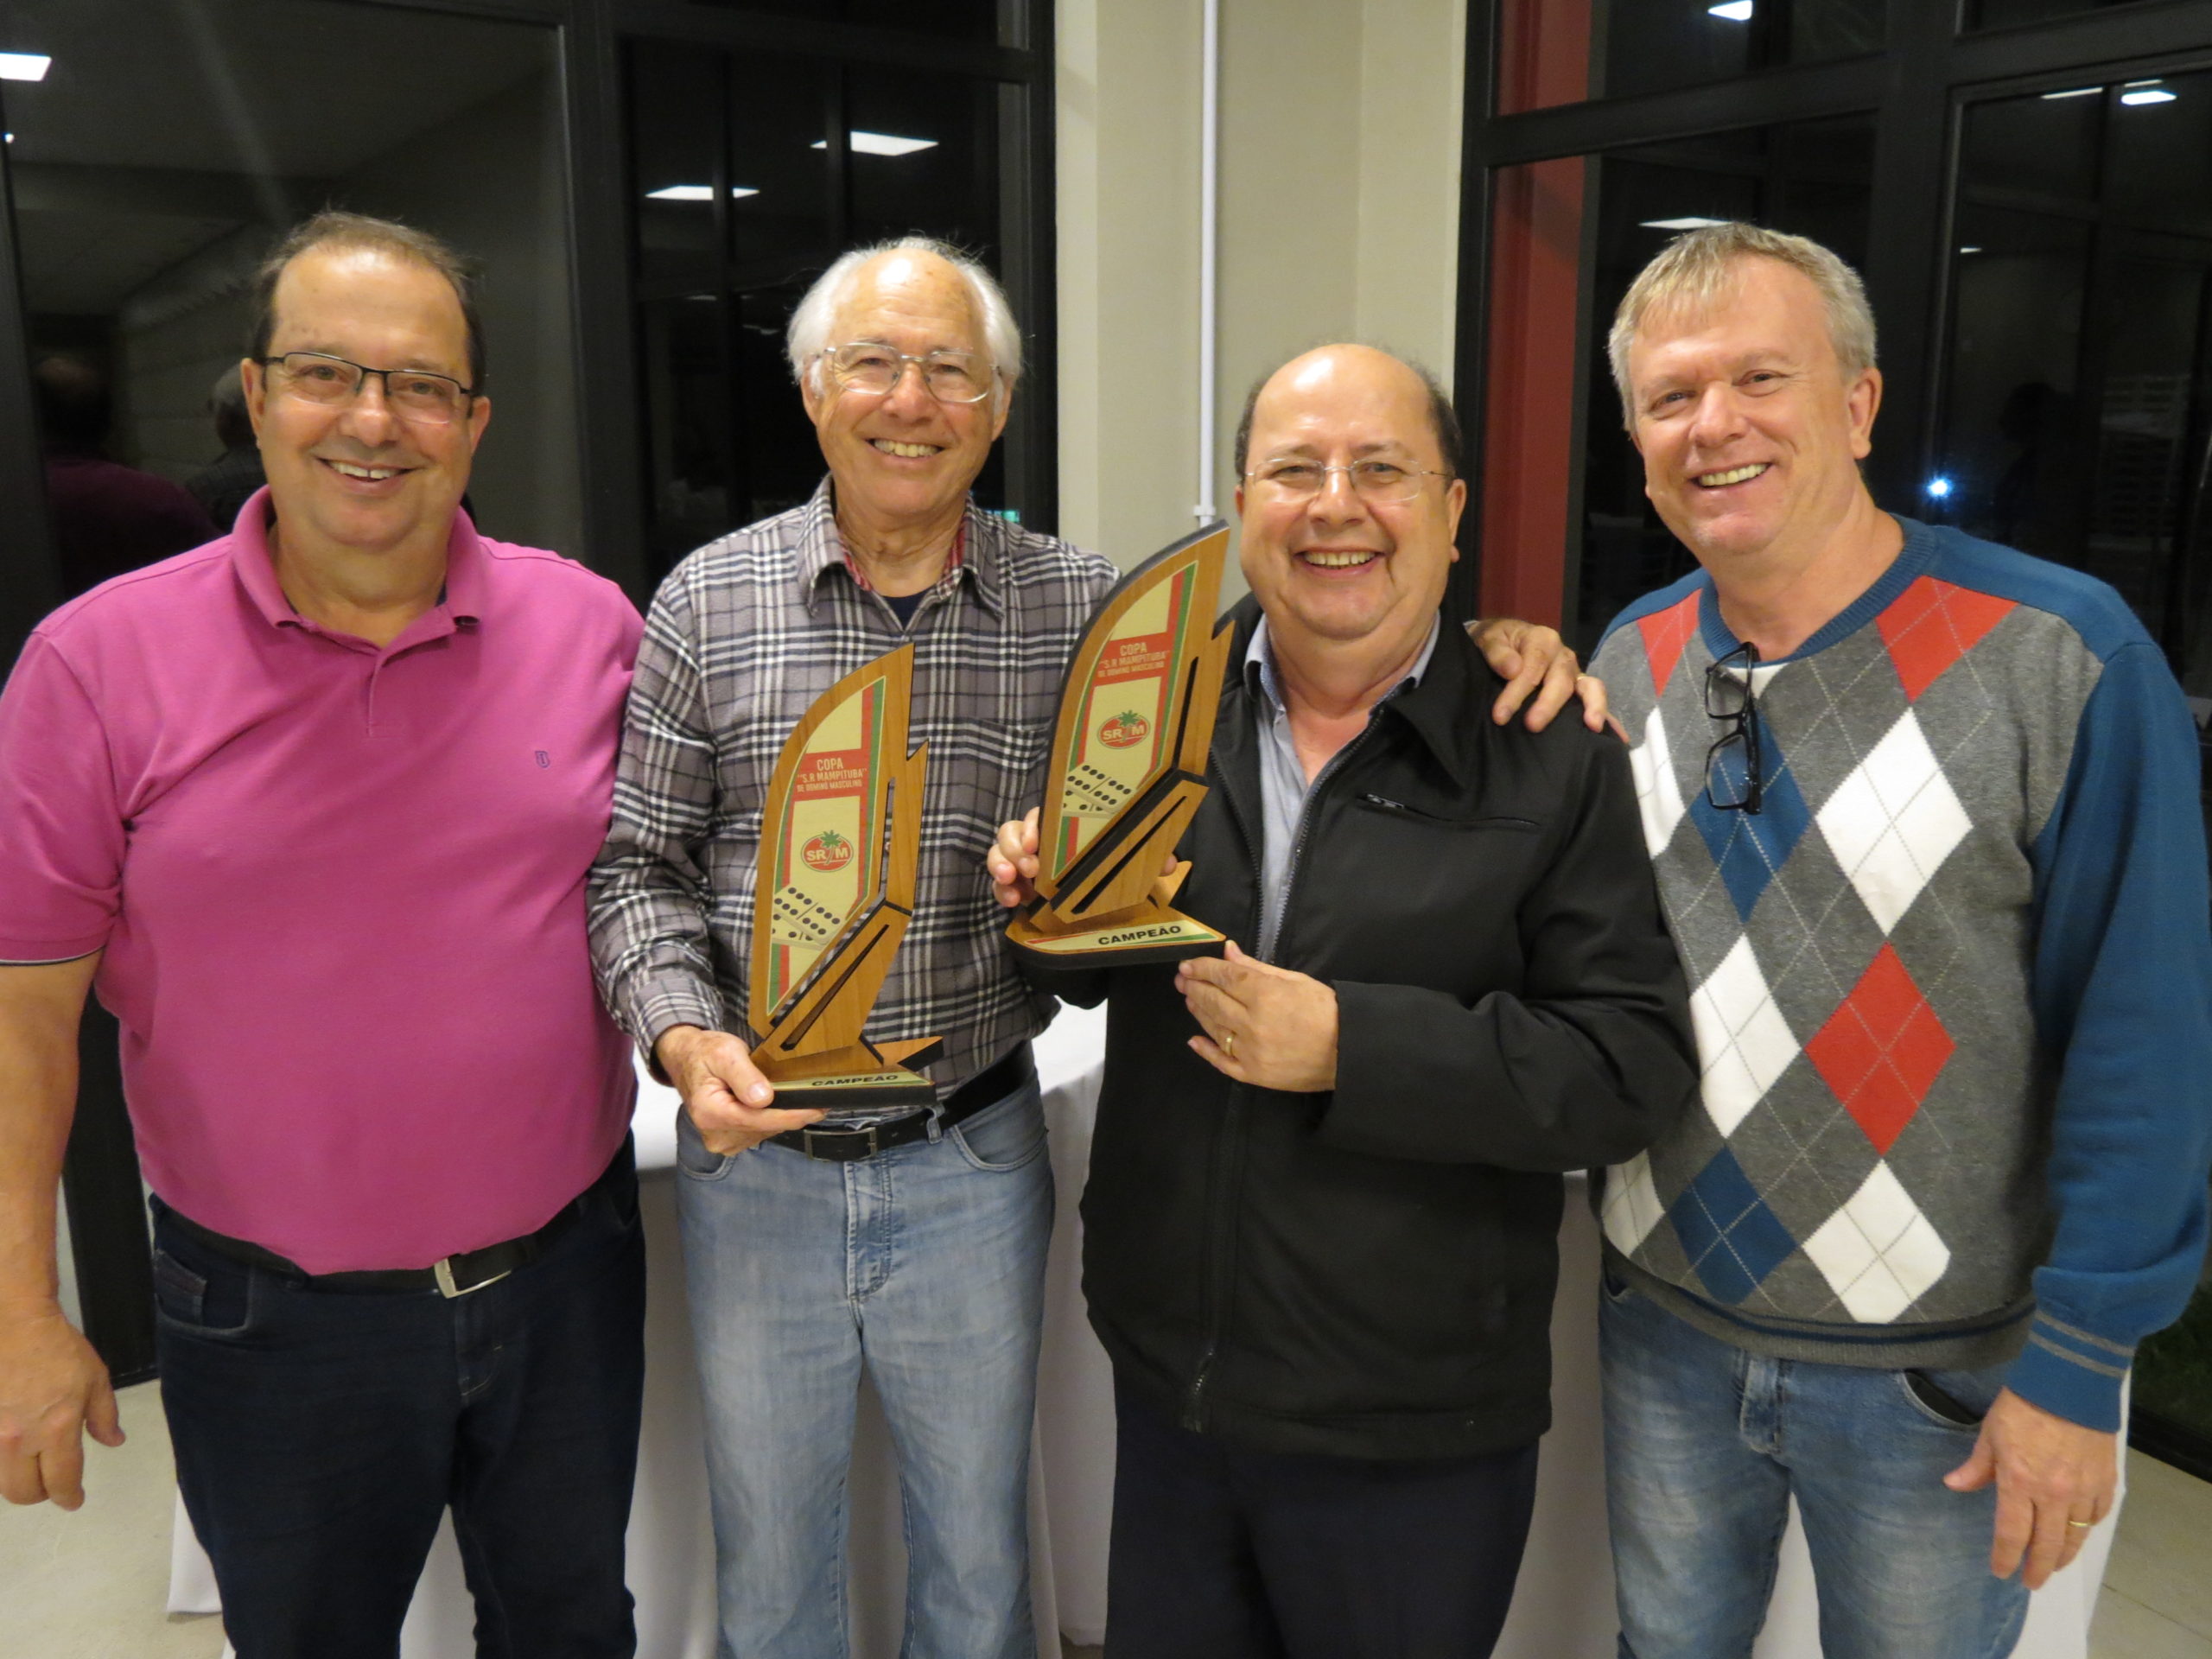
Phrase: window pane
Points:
(170, 145)
(2078, 389)
(727, 441)
(1581, 248)
(727, 437)
(1563, 51)
(950, 190)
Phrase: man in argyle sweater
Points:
(1924, 817)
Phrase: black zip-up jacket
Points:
(1368, 1272)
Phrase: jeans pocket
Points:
(1953, 1399)
(1004, 1136)
(218, 1303)
(178, 1291)
(692, 1157)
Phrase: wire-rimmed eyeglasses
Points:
(869, 366)
(1732, 779)
(413, 394)
(1296, 478)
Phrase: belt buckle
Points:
(441, 1270)
(808, 1133)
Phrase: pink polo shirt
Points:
(340, 889)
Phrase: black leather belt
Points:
(987, 1087)
(455, 1277)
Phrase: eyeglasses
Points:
(413, 394)
(1733, 783)
(1293, 479)
(949, 376)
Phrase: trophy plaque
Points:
(840, 835)
(1128, 768)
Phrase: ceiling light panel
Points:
(880, 143)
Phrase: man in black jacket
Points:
(1325, 1186)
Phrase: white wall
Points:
(1339, 219)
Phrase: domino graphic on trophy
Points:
(1129, 767)
(840, 838)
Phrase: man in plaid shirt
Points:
(917, 1249)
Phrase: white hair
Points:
(809, 336)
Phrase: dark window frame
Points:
(1022, 66)
(589, 39)
(1915, 87)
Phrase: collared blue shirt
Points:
(1283, 785)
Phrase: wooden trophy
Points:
(840, 835)
(1128, 768)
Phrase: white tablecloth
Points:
(1562, 1608)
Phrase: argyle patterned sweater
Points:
(1952, 984)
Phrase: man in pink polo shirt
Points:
(311, 808)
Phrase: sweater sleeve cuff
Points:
(2071, 1373)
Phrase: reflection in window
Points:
(740, 203)
(1556, 52)
(2077, 421)
(1812, 178)
(1996, 14)
(154, 164)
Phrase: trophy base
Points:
(1143, 934)
(866, 1077)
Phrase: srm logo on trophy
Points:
(827, 851)
(1127, 728)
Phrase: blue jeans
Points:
(925, 1264)
(321, 1434)
(1704, 1444)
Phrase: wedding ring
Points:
(1229, 1043)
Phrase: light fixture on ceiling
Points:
(1939, 488)
(24, 66)
(1733, 11)
(2073, 92)
(1973, 250)
(696, 193)
(2148, 91)
(880, 143)
(1689, 223)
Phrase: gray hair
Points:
(1698, 268)
(811, 319)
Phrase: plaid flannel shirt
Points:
(741, 639)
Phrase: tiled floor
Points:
(2157, 1597)
(91, 1584)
